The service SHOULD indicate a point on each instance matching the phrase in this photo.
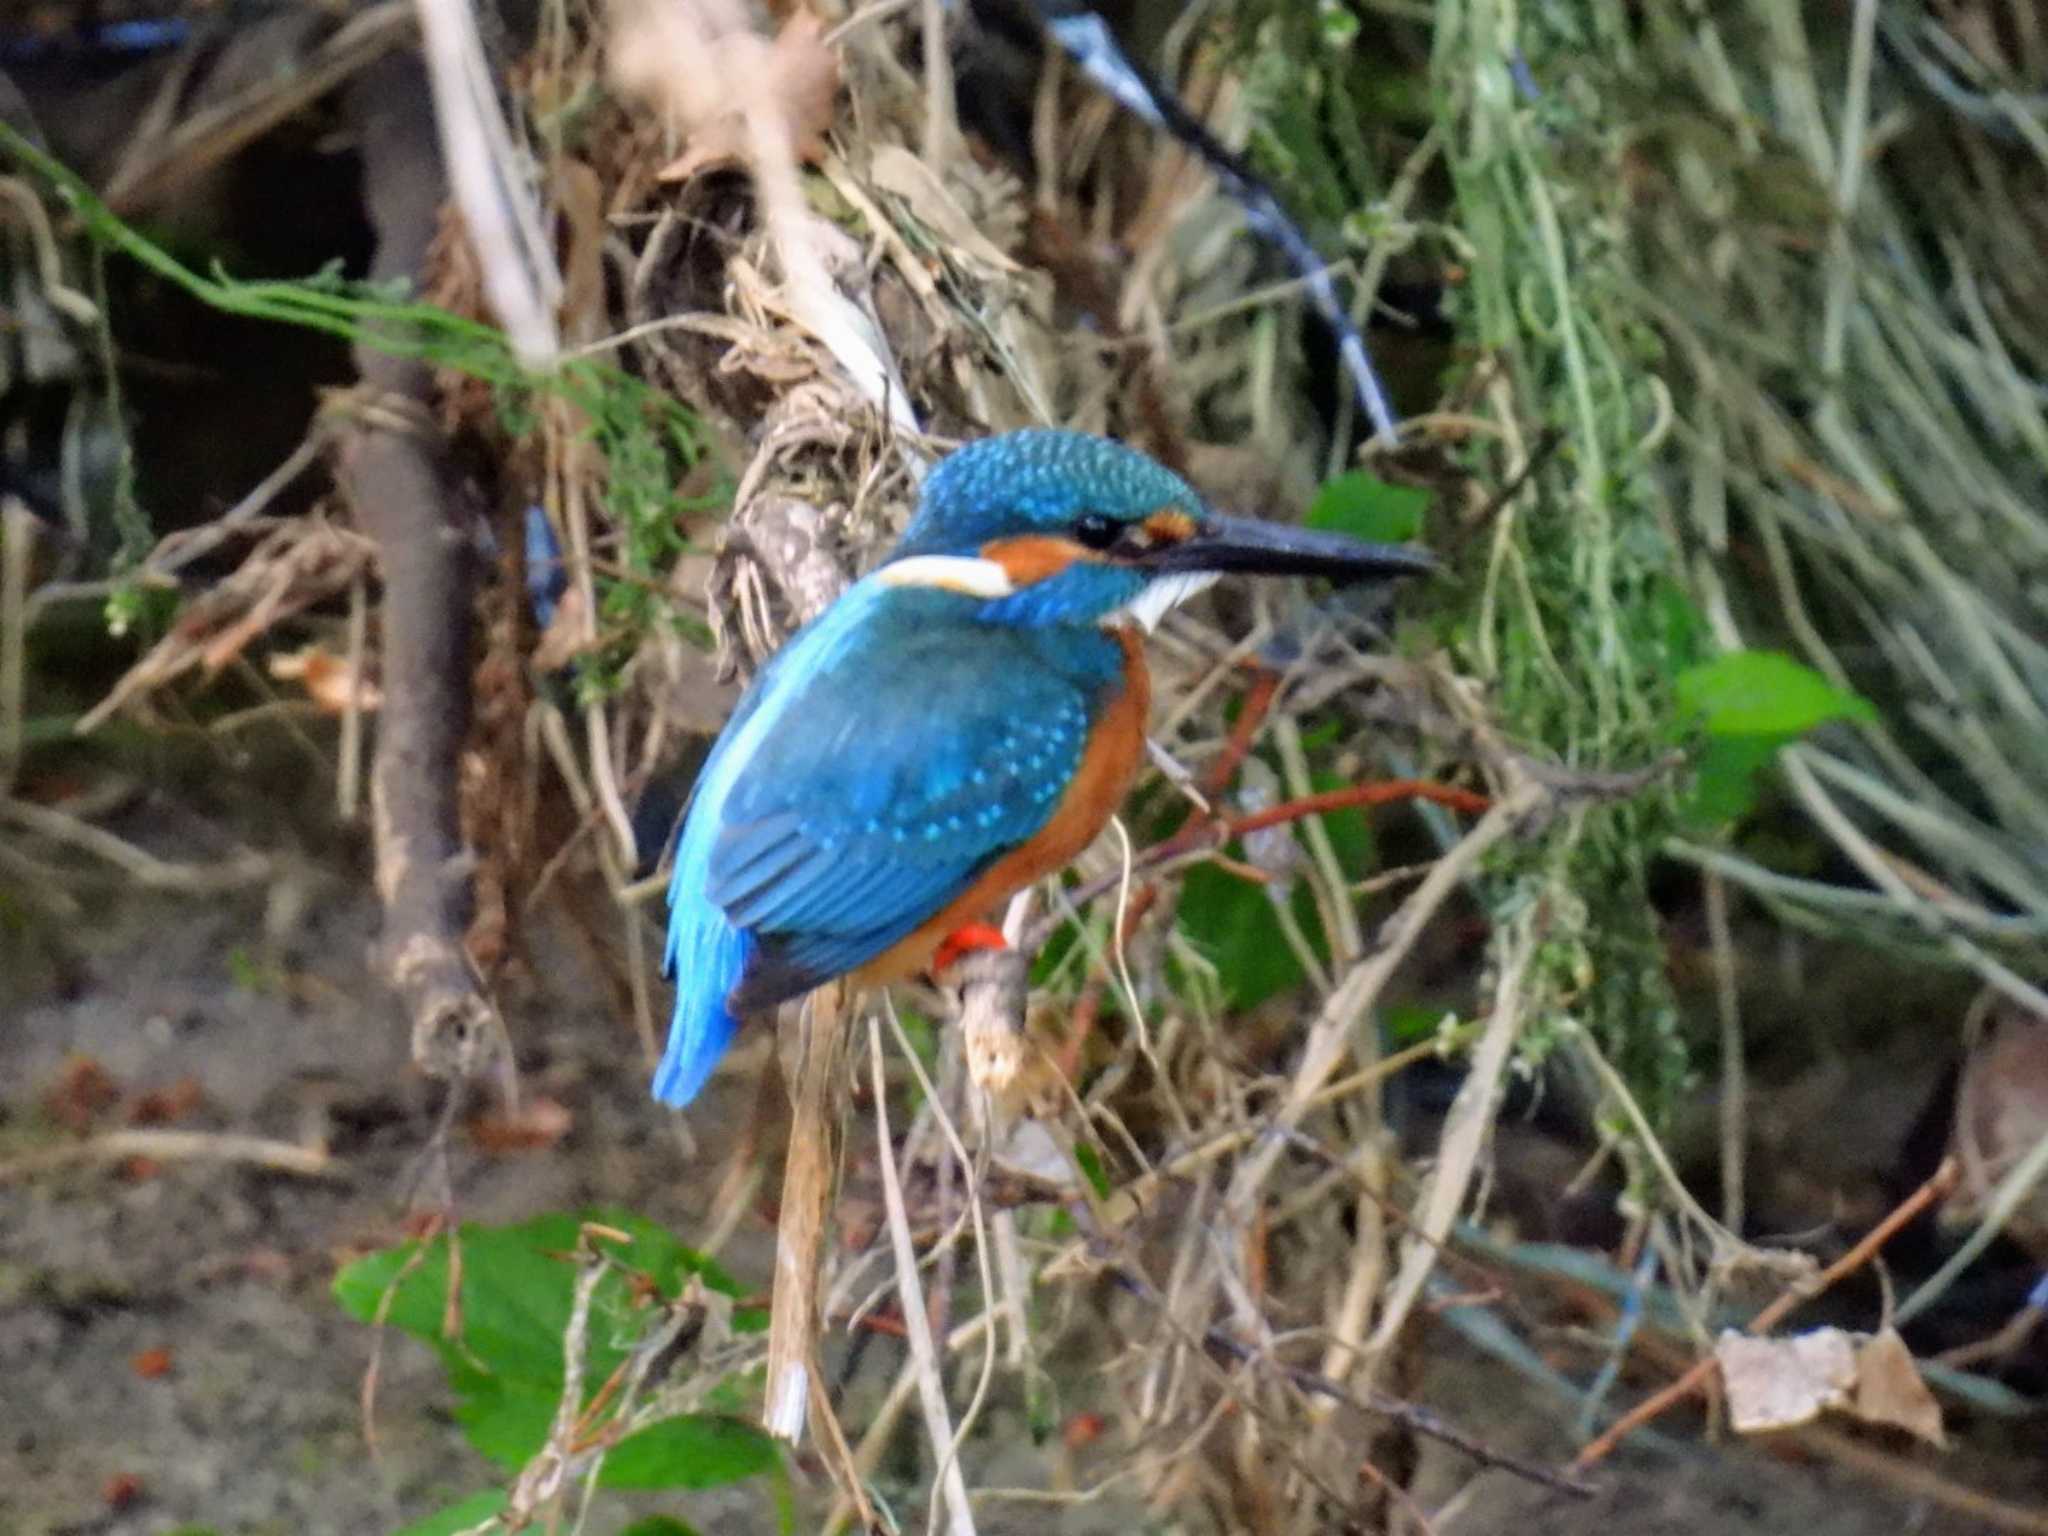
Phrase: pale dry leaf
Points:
(326, 679)
(1779, 1383)
(931, 202)
(797, 72)
(1889, 1389)
(569, 634)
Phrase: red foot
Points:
(966, 939)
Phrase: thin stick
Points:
(1467, 1131)
(1788, 1300)
(16, 526)
(917, 1325)
(1362, 984)
(1921, 1482)
(178, 1146)
(1734, 1079)
(813, 1050)
(245, 868)
(1198, 831)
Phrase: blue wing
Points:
(892, 752)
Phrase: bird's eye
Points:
(1096, 531)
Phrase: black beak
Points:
(1237, 545)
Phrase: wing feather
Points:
(889, 779)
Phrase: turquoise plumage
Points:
(927, 724)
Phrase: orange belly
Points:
(1108, 764)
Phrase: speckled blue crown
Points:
(1038, 479)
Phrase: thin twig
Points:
(246, 867)
(1419, 1419)
(931, 1386)
(178, 1146)
(1787, 1301)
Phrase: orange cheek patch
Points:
(1170, 525)
(1032, 557)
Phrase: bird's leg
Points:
(965, 940)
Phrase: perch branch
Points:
(393, 467)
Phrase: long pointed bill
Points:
(1236, 545)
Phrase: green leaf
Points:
(1090, 1162)
(1724, 778)
(506, 1368)
(1750, 703)
(659, 1525)
(1230, 920)
(700, 1451)
(1349, 830)
(1410, 1023)
(1367, 507)
(1762, 693)
(472, 1511)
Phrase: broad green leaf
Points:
(517, 1292)
(1762, 693)
(471, 1512)
(1750, 703)
(701, 1451)
(1367, 507)
(1230, 920)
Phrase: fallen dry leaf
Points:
(533, 1127)
(1889, 1389)
(897, 171)
(151, 1364)
(165, 1106)
(325, 677)
(82, 1091)
(1778, 1383)
(2001, 1113)
(1781, 1383)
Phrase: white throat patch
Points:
(1162, 595)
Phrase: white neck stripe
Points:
(969, 575)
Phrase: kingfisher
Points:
(959, 724)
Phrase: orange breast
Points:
(1108, 764)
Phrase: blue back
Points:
(892, 751)
(900, 744)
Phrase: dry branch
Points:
(394, 468)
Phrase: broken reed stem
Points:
(917, 1327)
(1467, 1130)
(813, 1052)
(17, 529)
(1786, 1302)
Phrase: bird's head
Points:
(1052, 527)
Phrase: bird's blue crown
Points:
(1035, 481)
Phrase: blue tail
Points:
(705, 955)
